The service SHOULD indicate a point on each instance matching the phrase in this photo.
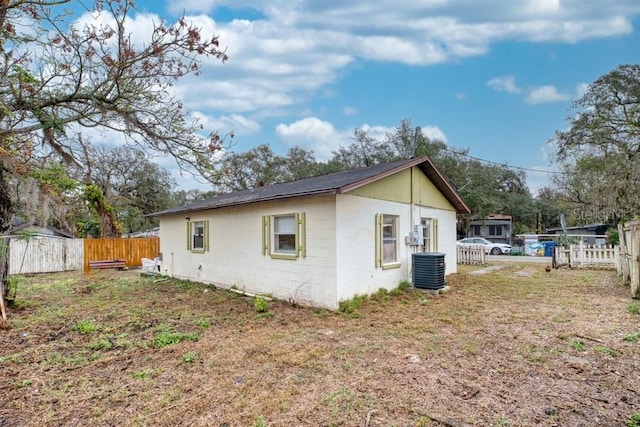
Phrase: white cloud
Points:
(545, 94)
(323, 138)
(377, 132)
(504, 84)
(434, 132)
(314, 134)
(533, 95)
(315, 32)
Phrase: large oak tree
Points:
(600, 152)
(60, 75)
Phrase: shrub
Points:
(261, 305)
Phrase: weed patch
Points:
(606, 350)
(351, 306)
(167, 338)
(577, 344)
(634, 307)
(100, 344)
(190, 357)
(144, 374)
(259, 422)
(85, 326)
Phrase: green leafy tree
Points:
(300, 163)
(254, 168)
(600, 152)
(131, 182)
(364, 151)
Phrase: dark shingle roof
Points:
(333, 183)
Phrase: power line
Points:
(522, 168)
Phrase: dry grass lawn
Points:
(513, 347)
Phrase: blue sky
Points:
(496, 76)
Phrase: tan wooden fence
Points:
(629, 266)
(132, 250)
(587, 256)
(471, 255)
(44, 255)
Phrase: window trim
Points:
(379, 242)
(191, 227)
(269, 237)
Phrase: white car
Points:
(489, 246)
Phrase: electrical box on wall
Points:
(417, 235)
(415, 239)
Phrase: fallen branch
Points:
(590, 339)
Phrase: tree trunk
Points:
(5, 204)
(5, 223)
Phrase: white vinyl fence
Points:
(45, 255)
(471, 255)
(586, 256)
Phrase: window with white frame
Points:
(284, 236)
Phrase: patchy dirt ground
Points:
(512, 347)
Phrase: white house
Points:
(316, 241)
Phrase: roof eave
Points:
(248, 202)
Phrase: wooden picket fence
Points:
(471, 255)
(51, 255)
(587, 256)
